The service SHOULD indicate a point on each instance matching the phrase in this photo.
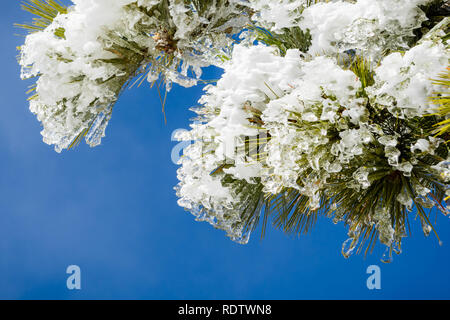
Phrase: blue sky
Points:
(112, 211)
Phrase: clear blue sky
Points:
(112, 210)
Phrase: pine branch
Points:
(288, 38)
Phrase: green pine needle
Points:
(45, 12)
(289, 38)
(442, 100)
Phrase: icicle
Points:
(387, 256)
(426, 228)
(348, 247)
(97, 130)
(396, 247)
(242, 238)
